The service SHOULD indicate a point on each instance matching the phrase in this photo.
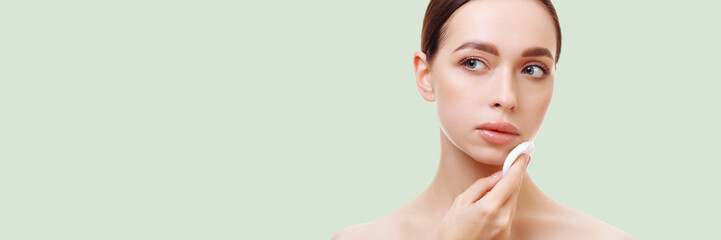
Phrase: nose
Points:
(503, 96)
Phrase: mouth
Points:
(499, 133)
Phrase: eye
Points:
(473, 63)
(536, 71)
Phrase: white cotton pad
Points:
(524, 147)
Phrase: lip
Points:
(499, 133)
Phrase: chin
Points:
(491, 155)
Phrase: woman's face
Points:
(495, 64)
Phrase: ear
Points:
(423, 76)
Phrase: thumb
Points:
(478, 189)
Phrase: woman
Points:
(489, 65)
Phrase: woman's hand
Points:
(478, 213)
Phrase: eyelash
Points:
(465, 60)
(543, 67)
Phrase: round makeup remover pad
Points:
(524, 147)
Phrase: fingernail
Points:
(528, 160)
(496, 175)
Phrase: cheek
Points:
(454, 105)
(538, 106)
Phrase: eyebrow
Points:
(492, 49)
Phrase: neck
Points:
(456, 172)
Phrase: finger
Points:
(478, 189)
(509, 206)
(508, 184)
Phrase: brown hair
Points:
(438, 12)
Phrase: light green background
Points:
(294, 119)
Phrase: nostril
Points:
(499, 105)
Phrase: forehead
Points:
(512, 25)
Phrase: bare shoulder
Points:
(581, 225)
(389, 227)
(557, 221)
(358, 231)
(383, 228)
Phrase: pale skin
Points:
(465, 200)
